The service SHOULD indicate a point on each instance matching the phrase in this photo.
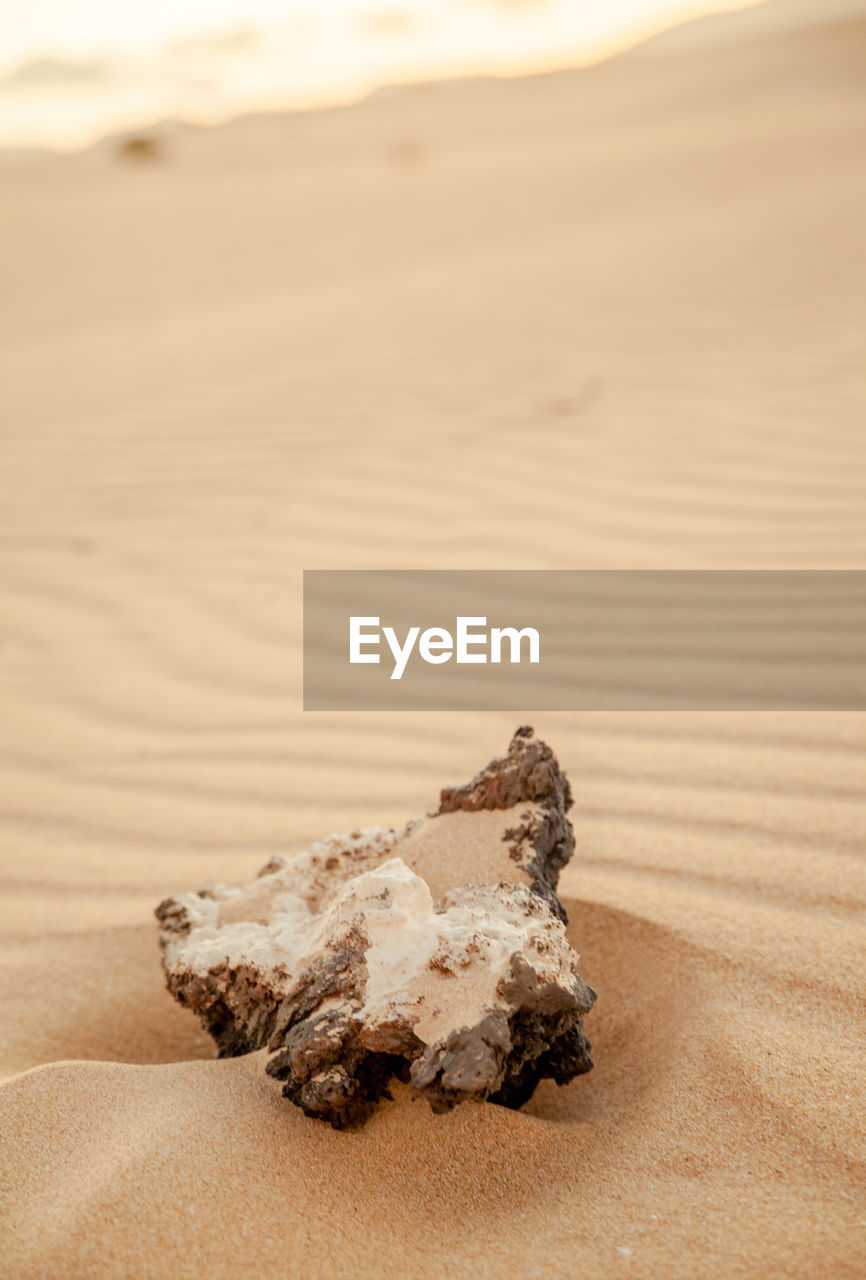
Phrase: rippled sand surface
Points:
(608, 319)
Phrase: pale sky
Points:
(70, 71)
(30, 28)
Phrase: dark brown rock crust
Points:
(528, 773)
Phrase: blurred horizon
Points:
(70, 77)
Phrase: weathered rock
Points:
(435, 953)
(543, 840)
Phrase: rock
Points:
(142, 148)
(435, 953)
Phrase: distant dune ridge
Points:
(604, 319)
(769, 21)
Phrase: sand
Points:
(610, 319)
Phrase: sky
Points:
(71, 72)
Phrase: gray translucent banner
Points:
(604, 640)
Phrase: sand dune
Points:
(608, 319)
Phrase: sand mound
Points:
(201, 1166)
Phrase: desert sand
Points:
(600, 319)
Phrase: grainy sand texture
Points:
(603, 319)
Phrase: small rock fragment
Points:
(434, 954)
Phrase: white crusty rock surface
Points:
(435, 953)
